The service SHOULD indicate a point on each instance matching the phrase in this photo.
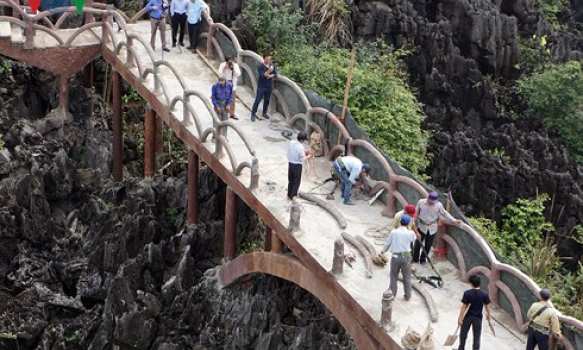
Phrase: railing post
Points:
(129, 55)
(64, 93)
(209, 41)
(29, 34)
(294, 217)
(387, 309)
(338, 259)
(231, 214)
(149, 143)
(254, 174)
(117, 128)
(193, 187)
(89, 17)
(104, 37)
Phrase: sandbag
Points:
(427, 342)
(316, 144)
(411, 339)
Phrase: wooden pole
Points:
(347, 90)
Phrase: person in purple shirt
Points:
(222, 98)
(266, 73)
(158, 10)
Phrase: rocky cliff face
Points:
(90, 264)
(460, 48)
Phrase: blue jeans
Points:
(345, 184)
(263, 93)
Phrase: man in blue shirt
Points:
(349, 169)
(196, 10)
(158, 10)
(222, 98)
(178, 15)
(266, 73)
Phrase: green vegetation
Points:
(5, 66)
(332, 17)
(555, 95)
(525, 240)
(499, 153)
(551, 10)
(172, 213)
(131, 95)
(380, 100)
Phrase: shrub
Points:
(555, 95)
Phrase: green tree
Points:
(555, 95)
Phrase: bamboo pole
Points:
(347, 90)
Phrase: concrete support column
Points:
(88, 75)
(117, 128)
(64, 93)
(267, 243)
(159, 136)
(193, 187)
(149, 143)
(230, 245)
(387, 310)
(276, 243)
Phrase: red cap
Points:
(410, 210)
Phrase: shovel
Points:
(491, 328)
(451, 339)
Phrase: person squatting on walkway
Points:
(194, 14)
(266, 73)
(475, 299)
(296, 154)
(231, 70)
(543, 321)
(400, 241)
(158, 10)
(348, 169)
(178, 10)
(222, 99)
(429, 211)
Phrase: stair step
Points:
(5, 30)
(17, 34)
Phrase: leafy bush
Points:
(525, 241)
(379, 99)
(275, 28)
(555, 95)
(551, 9)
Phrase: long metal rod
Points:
(193, 188)
(117, 128)
(149, 143)
(230, 225)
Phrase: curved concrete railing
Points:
(516, 306)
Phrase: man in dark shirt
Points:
(475, 299)
(266, 72)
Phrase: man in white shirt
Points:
(399, 241)
(296, 154)
(231, 70)
(197, 9)
(348, 169)
(178, 10)
(429, 211)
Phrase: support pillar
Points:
(64, 93)
(231, 214)
(89, 17)
(193, 187)
(117, 128)
(294, 217)
(276, 243)
(149, 143)
(88, 75)
(387, 310)
(267, 243)
(159, 135)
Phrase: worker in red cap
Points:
(429, 211)
(409, 210)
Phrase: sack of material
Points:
(316, 144)
(427, 342)
(411, 339)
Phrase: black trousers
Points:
(294, 178)
(535, 338)
(178, 20)
(194, 34)
(418, 253)
(476, 324)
